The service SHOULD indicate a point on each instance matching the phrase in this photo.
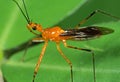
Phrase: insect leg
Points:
(88, 50)
(67, 60)
(39, 60)
(30, 43)
(93, 13)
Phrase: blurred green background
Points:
(67, 14)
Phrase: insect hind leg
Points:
(88, 50)
(93, 13)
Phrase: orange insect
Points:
(57, 34)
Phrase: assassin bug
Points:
(57, 34)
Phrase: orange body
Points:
(52, 34)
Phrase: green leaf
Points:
(53, 68)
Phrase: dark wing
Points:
(86, 32)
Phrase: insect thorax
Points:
(52, 33)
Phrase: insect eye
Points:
(34, 28)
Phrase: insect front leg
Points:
(39, 60)
(88, 50)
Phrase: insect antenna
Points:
(26, 10)
(25, 15)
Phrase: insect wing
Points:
(86, 33)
